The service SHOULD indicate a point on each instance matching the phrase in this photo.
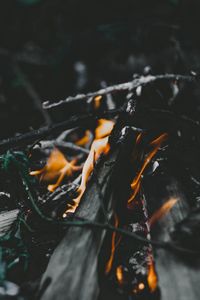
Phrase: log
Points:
(72, 272)
(178, 275)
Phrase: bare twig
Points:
(141, 81)
(43, 132)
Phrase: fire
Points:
(113, 246)
(97, 101)
(57, 167)
(104, 128)
(85, 139)
(119, 274)
(152, 277)
(163, 210)
(135, 185)
(99, 146)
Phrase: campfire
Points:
(100, 197)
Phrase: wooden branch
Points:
(141, 81)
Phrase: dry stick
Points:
(141, 81)
(40, 133)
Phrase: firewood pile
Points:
(105, 203)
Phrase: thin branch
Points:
(38, 134)
(141, 81)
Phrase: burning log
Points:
(75, 261)
(111, 185)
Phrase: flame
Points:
(135, 185)
(113, 246)
(57, 167)
(85, 139)
(152, 277)
(119, 274)
(99, 146)
(163, 210)
(104, 128)
(97, 101)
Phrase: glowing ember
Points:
(152, 278)
(119, 274)
(99, 146)
(163, 210)
(113, 246)
(141, 286)
(57, 167)
(135, 185)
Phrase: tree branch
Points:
(141, 81)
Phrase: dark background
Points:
(50, 49)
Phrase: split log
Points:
(72, 272)
(178, 274)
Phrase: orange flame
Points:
(104, 128)
(119, 274)
(113, 247)
(152, 277)
(85, 139)
(163, 210)
(57, 167)
(135, 185)
(99, 146)
(97, 101)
